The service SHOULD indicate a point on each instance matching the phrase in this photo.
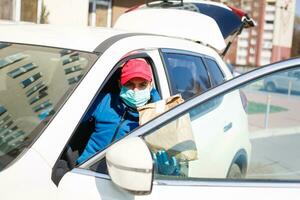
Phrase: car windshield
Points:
(34, 82)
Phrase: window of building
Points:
(6, 10)
(253, 32)
(21, 70)
(253, 41)
(30, 80)
(252, 59)
(29, 9)
(73, 69)
(35, 88)
(72, 58)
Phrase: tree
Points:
(44, 14)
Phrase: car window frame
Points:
(174, 113)
(115, 67)
(205, 58)
(163, 51)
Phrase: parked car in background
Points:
(286, 81)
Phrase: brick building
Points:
(271, 40)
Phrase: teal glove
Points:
(165, 165)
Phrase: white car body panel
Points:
(165, 24)
(28, 178)
(56, 36)
(74, 186)
(210, 139)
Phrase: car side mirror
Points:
(130, 166)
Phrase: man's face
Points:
(137, 84)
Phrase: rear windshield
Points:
(34, 82)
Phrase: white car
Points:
(51, 78)
(48, 90)
(286, 81)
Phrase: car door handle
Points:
(227, 127)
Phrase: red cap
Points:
(136, 68)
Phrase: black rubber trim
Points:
(101, 48)
(241, 159)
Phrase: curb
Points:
(274, 132)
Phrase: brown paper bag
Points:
(176, 137)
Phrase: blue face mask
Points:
(135, 99)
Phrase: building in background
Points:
(106, 12)
(271, 40)
(70, 12)
(19, 10)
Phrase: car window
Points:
(216, 74)
(187, 74)
(115, 119)
(253, 135)
(34, 80)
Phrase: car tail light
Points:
(133, 8)
(237, 11)
(248, 21)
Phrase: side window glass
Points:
(215, 73)
(259, 140)
(187, 74)
(35, 80)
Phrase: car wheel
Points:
(235, 172)
(270, 87)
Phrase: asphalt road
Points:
(275, 157)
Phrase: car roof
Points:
(77, 38)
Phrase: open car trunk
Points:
(230, 21)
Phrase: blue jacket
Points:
(113, 120)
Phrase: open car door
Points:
(125, 171)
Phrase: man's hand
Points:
(165, 165)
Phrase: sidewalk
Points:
(286, 121)
(263, 133)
